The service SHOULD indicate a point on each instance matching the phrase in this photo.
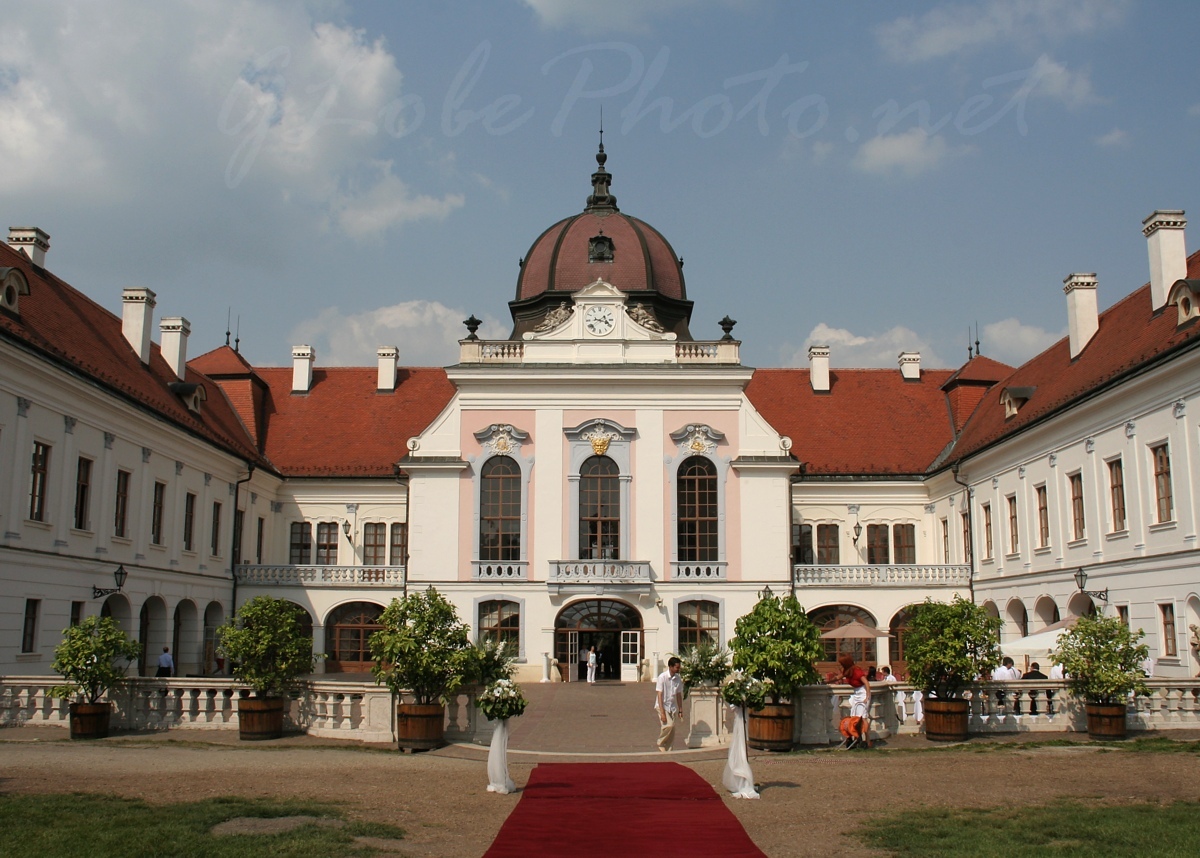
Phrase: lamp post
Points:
(119, 575)
(765, 592)
(1081, 582)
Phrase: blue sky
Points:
(876, 176)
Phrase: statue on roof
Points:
(554, 318)
(645, 318)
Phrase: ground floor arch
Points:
(214, 617)
(348, 629)
(153, 634)
(829, 617)
(186, 639)
(898, 628)
(613, 627)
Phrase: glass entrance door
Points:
(631, 655)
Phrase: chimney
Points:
(136, 317)
(302, 366)
(31, 241)
(1082, 318)
(175, 330)
(1168, 253)
(818, 368)
(387, 368)
(910, 366)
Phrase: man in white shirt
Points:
(1004, 673)
(668, 702)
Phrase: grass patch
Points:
(1059, 830)
(104, 825)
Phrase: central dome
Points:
(601, 243)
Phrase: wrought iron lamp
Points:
(1081, 582)
(119, 575)
(346, 530)
(765, 592)
(857, 531)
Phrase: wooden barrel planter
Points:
(946, 720)
(770, 728)
(420, 726)
(1105, 720)
(90, 720)
(260, 718)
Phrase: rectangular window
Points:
(399, 550)
(156, 513)
(76, 613)
(215, 545)
(1123, 615)
(327, 543)
(239, 522)
(1169, 649)
(374, 544)
(945, 540)
(29, 629)
(258, 540)
(829, 544)
(987, 531)
(877, 545)
(1078, 522)
(904, 541)
(189, 522)
(966, 531)
(1043, 517)
(121, 511)
(802, 544)
(1162, 483)
(1116, 490)
(300, 545)
(83, 494)
(40, 470)
(1014, 528)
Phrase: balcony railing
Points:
(600, 572)
(500, 570)
(686, 571)
(321, 576)
(896, 576)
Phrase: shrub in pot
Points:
(1102, 659)
(89, 660)
(422, 651)
(269, 651)
(946, 646)
(778, 643)
(703, 666)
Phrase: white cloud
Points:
(1012, 342)
(1115, 139)
(956, 29)
(627, 16)
(366, 213)
(426, 332)
(910, 152)
(847, 349)
(1054, 80)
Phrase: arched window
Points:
(500, 510)
(500, 620)
(599, 509)
(833, 616)
(699, 622)
(697, 505)
(348, 628)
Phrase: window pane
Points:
(500, 510)
(399, 550)
(877, 544)
(327, 543)
(374, 543)
(300, 547)
(904, 537)
(599, 510)
(828, 544)
(699, 622)
(697, 511)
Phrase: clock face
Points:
(599, 320)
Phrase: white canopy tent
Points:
(1038, 645)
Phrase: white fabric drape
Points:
(498, 779)
(738, 778)
(918, 707)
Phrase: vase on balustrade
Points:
(1105, 720)
(946, 720)
(260, 718)
(90, 720)
(420, 726)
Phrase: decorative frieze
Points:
(501, 439)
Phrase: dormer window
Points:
(12, 286)
(1185, 295)
(191, 394)
(600, 248)
(1014, 398)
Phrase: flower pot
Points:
(90, 720)
(1105, 720)
(420, 726)
(771, 727)
(946, 720)
(260, 718)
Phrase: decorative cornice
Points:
(697, 438)
(501, 439)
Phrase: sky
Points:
(877, 177)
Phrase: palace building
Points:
(608, 475)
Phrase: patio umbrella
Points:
(855, 630)
(1039, 644)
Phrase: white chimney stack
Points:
(31, 241)
(818, 368)
(302, 368)
(910, 366)
(1083, 318)
(1168, 253)
(136, 317)
(387, 367)
(175, 331)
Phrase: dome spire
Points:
(600, 198)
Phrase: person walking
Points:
(860, 702)
(668, 702)
(591, 666)
(166, 664)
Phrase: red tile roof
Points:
(871, 422)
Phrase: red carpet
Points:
(614, 810)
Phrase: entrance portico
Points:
(613, 627)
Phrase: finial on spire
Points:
(978, 351)
(600, 198)
(228, 318)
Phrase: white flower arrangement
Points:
(502, 700)
(742, 689)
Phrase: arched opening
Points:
(1046, 612)
(599, 509)
(831, 617)
(613, 628)
(117, 607)
(1081, 605)
(214, 617)
(187, 639)
(1016, 623)
(899, 629)
(153, 634)
(348, 629)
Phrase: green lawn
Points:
(100, 825)
(1067, 829)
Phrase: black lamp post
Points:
(1081, 582)
(119, 575)
(765, 592)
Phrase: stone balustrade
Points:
(500, 570)
(317, 576)
(871, 576)
(689, 571)
(600, 572)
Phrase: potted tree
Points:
(947, 645)
(269, 650)
(422, 651)
(88, 658)
(778, 643)
(1102, 660)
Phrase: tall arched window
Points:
(599, 509)
(697, 505)
(500, 510)
(699, 622)
(500, 620)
